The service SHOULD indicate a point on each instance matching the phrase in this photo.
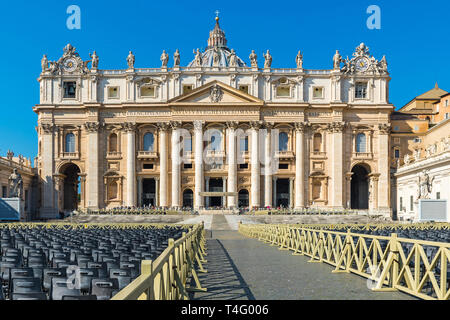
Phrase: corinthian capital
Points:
(47, 127)
(92, 126)
(232, 124)
(336, 127)
(256, 124)
(129, 126)
(162, 126)
(198, 124)
(301, 126)
(175, 124)
(384, 128)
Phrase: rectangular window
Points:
(113, 92)
(283, 166)
(397, 153)
(438, 195)
(318, 92)
(243, 166)
(447, 115)
(187, 88)
(148, 166)
(70, 89)
(4, 192)
(411, 203)
(147, 91)
(283, 92)
(243, 144)
(244, 88)
(188, 166)
(401, 203)
(361, 90)
(397, 140)
(446, 103)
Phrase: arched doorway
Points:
(243, 199)
(71, 187)
(188, 198)
(360, 188)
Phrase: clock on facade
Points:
(362, 64)
(70, 64)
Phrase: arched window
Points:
(243, 144)
(216, 140)
(317, 143)
(283, 141)
(70, 143)
(361, 142)
(149, 141)
(113, 143)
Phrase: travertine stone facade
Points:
(30, 184)
(215, 133)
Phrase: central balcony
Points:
(147, 155)
(284, 154)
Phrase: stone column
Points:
(156, 192)
(176, 162)
(232, 166)
(224, 199)
(373, 191)
(48, 209)
(291, 192)
(130, 129)
(163, 202)
(268, 166)
(299, 165)
(92, 169)
(275, 192)
(140, 191)
(207, 190)
(255, 165)
(337, 181)
(348, 188)
(198, 142)
(384, 167)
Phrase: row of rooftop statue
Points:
(230, 56)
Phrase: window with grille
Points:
(361, 142)
(149, 141)
(70, 143)
(283, 141)
(361, 90)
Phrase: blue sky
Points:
(413, 36)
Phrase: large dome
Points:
(217, 54)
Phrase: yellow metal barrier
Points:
(391, 263)
(166, 277)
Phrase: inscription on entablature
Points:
(281, 113)
(318, 114)
(148, 113)
(214, 112)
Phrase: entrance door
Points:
(148, 192)
(215, 185)
(282, 197)
(71, 187)
(360, 188)
(243, 199)
(188, 198)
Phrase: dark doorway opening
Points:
(215, 185)
(188, 198)
(282, 196)
(149, 192)
(243, 199)
(360, 188)
(71, 187)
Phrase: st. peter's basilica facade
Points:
(216, 133)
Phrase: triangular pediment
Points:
(216, 92)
